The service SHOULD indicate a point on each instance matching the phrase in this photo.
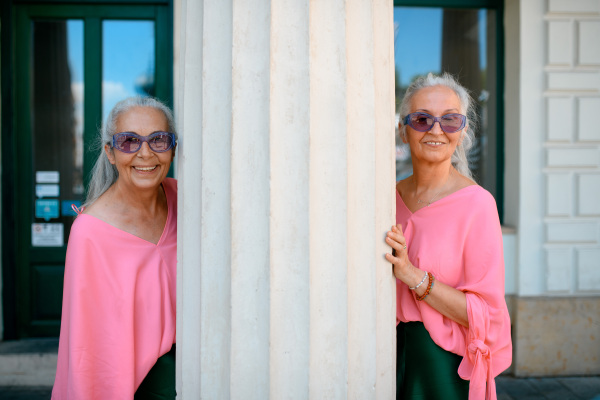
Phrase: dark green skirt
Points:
(159, 384)
(424, 369)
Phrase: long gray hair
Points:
(104, 174)
(459, 158)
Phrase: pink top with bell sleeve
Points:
(118, 314)
(459, 240)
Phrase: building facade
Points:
(552, 186)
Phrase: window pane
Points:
(128, 60)
(461, 42)
(57, 120)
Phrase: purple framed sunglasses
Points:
(423, 122)
(130, 142)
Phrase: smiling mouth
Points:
(434, 143)
(145, 168)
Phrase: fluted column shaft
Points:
(286, 182)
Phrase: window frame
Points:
(17, 161)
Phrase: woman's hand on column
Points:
(403, 268)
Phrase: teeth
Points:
(434, 142)
(145, 168)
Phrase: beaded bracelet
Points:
(420, 283)
(429, 286)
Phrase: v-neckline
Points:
(167, 220)
(435, 202)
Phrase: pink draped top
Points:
(118, 314)
(459, 240)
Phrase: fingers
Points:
(397, 231)
(391, 259)
(396, 239)
(398, 228)
(399, 257)
(394, 243)
(399, 264)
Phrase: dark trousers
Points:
(424, 369)
(159, 384)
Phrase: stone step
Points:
(28, 362)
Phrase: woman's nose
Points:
(436, 128)
(145, 150)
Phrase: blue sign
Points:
(46, 208)
(67, 209)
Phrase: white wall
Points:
(571, 145)
(553, 145)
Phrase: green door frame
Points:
(17, 163)
(498, 6)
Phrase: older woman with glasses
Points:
(117, 337)
(453, 327)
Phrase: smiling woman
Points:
(453, 328)
(105, 172)
(117, 336)
(145, 168)
(464, 39)
(449, 103)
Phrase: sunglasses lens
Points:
(452, 122)
(127, 143)
(160, 142)
(420, 122)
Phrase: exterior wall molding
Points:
(553, 183)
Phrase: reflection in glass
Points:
(57, 110)
(128, 60)
(461, 42)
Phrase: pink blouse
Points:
(118, 313)
(459, 240)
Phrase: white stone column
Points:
(286, 182)
(289, 153)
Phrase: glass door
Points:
(72, 64)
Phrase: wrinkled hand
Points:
(395, 238)
(447, 300)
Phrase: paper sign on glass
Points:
(47, 190)
(47, 235)
(47, 177)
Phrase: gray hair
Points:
(104, 174)
(459, 158)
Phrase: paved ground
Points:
(25, 392)
(508, 388)
(566, 388)
(27, 373)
